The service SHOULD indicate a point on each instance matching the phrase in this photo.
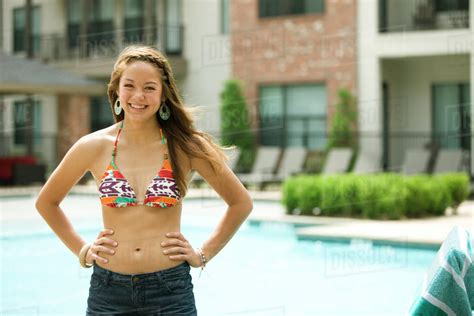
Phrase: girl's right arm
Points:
(70, 170)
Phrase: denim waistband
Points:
(175, 272)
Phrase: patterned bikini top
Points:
(115, 191)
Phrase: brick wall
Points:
(73, 121)
(313, 48)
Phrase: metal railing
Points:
(393, 145)
(413, 15)
(60, 46)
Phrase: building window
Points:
(293, 115)
(101, 23)
(19, 22)
(21, 124)
(451, 115)
(225, 16)
(270, 8)
(101, 115)
(135, 28)
(134, 21)
(173, 31)
(100, 28)
(74, 15)
(451, 5)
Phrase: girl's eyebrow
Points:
(152, 82)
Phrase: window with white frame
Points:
(21, 124)
(451, 115)
(225, 16)
(174, 31)
(100, 24)
(293, 115)
(271, 8)
(19, 22)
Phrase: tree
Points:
(343, 123)
(235, 122)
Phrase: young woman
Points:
(142, 165)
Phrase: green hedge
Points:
(381, 196)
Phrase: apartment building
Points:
(408, 63)
(84, 37)
(293, 58)
(414, 75)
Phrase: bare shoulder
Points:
(85, 152)
(203, 165)
(80, 158)
(205, 144)
(95, 142)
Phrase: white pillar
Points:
(471, 26)
(369, 83)
(119, 25)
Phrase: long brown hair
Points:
(178, 129)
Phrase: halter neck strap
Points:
(114, 153)
(116, 142)
(163, 138)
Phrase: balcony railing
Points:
(59, 47)
(415, 15)
(393, 144)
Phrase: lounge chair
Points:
(233, 154)
(448, 287)
(416, 161)
(264, 166)
(367, 162)
(292, 162)
(337, 161)
(448, 161)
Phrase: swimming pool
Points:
(264, 270)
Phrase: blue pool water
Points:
(264, 270)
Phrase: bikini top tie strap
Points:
(163, 138)
(163, 142)
(116, 141)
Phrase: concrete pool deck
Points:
(428, 232)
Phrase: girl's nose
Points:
(139, 94)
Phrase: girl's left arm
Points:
(228, 186)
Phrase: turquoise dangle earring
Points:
(117, 107)
(164, 111)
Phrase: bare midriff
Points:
(139, 231)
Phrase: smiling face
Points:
(140, 90)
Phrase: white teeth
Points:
(137, 106)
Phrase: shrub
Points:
(343, 123)
(310, 195)
(290, 197)
(428, 195)
(235, 123)
(458, 186)
(383, 196)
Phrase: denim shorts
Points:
(165, 292)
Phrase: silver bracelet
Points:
(203, 258)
